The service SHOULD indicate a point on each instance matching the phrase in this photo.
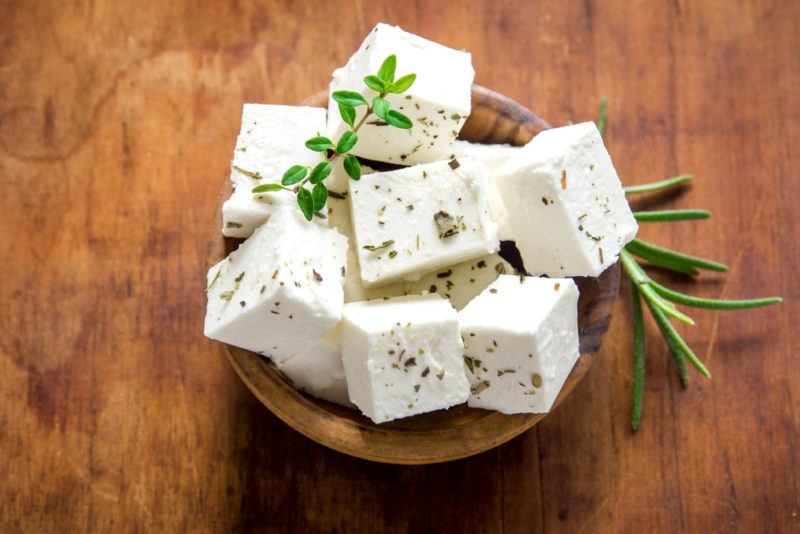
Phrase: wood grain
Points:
(117, 120)
(444, 435)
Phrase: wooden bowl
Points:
(446, 434)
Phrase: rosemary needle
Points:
(638, 359)
(643, 248)
(660, 261)
(715, 304)
(671, 215)
(658, 186)
(674, 349)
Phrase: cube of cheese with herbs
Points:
(561, 201)
(418, 219)
(318, 370)
(272, 139)
(403, 356)
(272, 296)
(520, 343)
(339, 217)
(492, 156)
(438, 102)
(463, 281)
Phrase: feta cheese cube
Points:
(272, 139)
(438, 102)
(563, 204)
(520, 343)
(462, 282)
(417, 219)
(339, 218)
(318, 370)
(272, 296)
(492, 156)
(403, 356)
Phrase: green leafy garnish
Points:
(294, 174)
(313, 202)
(352, 167)
(319, 144)
(320, 172)
(306, 202)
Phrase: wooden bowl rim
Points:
(358, 436)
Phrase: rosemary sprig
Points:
(313, 201)
(661, 300)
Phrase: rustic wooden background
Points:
(117, 121)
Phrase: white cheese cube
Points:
(281, 289)
(492, 156)
(438, 102)
(318, 370)
(403, 356)
(520, 343)
(339, 218)
(563, 203)
(272, 139)
(461, 282)
(417, 219)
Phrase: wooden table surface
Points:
(117, 122)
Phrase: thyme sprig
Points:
(296, 177)
(660, 300)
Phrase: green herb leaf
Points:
(671, 215)
(403, 84)
(376, 248)
(648, 251)
(386, 72)
(348, 114)
(294, 174)
(347, 141)
(265, 188)
(352, 167)
(714, 304)
(319, 144)
(320, 172)
(380, 106)
(214, 280)
(601, 117)
(319, 196)
(638, 359)
(375, 83)
(398, 120)
(658, 186)
(349, 98)
(306, 203)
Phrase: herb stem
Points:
(335, 154)
(638, 359)
(648, 251)
(641, 280)
(658, 186)
(664, 263)
(671, 215)
(672, 335)
(714, 304)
